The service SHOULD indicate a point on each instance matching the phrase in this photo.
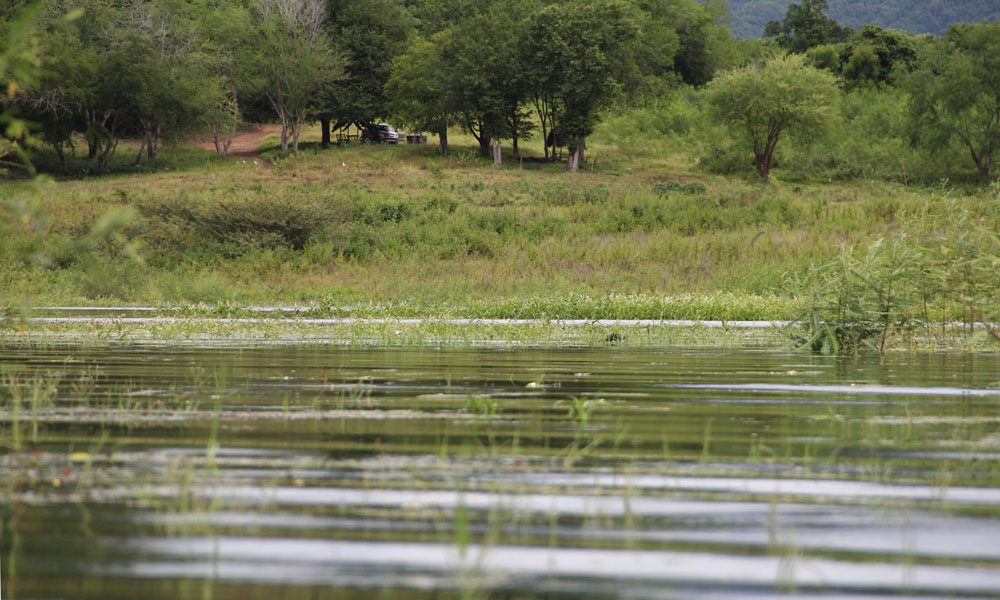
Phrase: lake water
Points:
(314, 471)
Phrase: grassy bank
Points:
(401, 230)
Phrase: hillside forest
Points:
(918, 16)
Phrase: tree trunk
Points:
(542, 108)
(285, 123)
(92, 141)
(576, 156)
(61, 153)
(138, 157)
(443, 141)
(763, 164)
(232, 134)
(106, 146)
(517, 152)
(497, 155)
(324, 124)
(545, 140)
(297, 122)
(152, 146)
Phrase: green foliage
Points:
(680, 39)
(805, 26)
(760, 103)
(483, 406)
(294, 60)
(162, 88)
(579, 54)
(825, 56)
(580, 409)
(370, 34)
(908, 285)
(232, 226)
(864, 302)
(955, 93)
(725, 161)
(664, 188)
(482, 78)
(870, 141)
(877, 56)
(656, 125)
(415, 90)
(19, 62)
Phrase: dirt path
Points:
(246, 142)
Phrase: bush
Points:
(725, 161)
(232, 225)
(374, 211)
(664, 188)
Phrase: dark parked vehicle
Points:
(380, 132)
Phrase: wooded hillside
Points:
(915, 16)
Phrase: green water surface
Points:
(314, 471)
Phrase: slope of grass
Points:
(401, 226)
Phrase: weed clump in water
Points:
(939, 270)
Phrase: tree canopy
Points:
(762, 102)
(806, 26)
(955, 93)
(503, 70)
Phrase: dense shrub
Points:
(725, 161)
(232, 225)
(664, 188)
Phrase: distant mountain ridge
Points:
(915, 16)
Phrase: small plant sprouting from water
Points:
(483, 406)
(580, 409)
(221, 379)
(34, 393)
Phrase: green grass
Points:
(399, 230)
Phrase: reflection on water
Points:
(329, 472)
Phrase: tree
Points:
(578, 55)
(805, 26)
(138, 67)
(762, 102)
(55, 101)
(294, 60)
(955, 92)
(370, 33)
(164, 89)
(875, 56)
(685, 39)
(227, 52)
(484, 77)
(415, 92)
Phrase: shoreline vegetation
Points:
(385, 326)
(865, 226)
(375, 231)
